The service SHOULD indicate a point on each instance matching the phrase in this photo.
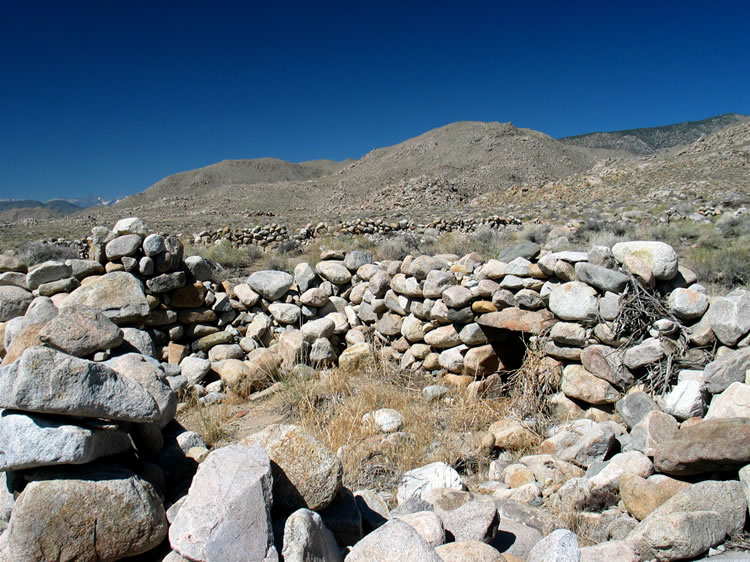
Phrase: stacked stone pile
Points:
(95, 350)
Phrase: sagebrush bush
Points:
(226, 254)
(398, 247)
(727, 266)
(35, 252)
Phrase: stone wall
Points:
(96, 350)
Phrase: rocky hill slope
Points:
(467, 169)
(711, 171)
(234, 173)
(650, 139)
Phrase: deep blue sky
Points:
(110, 96)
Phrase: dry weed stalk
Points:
(209, 420)
(639, 309)
(530, 385)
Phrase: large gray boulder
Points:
(41, 310)
(574, 301)
(270, 285)
(333, 271)
(100, 512)
(125, 245)
(355, 259)
(47, 272)
(47, 381)
(118, 295)
(147, 372)
(436, 282)
(600, 277)
(80, 331)
(396, 541)
(227, 512)
(198, 267)
(307, 539)
(681, 527)
(687, 304)
(28, 441)
(13, 302)
(559, 546)
(422, 265)
(729, 316)
(730, 367)
(658, 257)
(305, 472)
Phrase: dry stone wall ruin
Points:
(96, 350)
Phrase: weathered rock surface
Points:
(227, 512)
(306, 539)
(715, 444)
(305, 473)
(118, 295)
(102, 512)
(80, 331)
(28, 441)
(729, 316)
(395, 541)
(658, 257)
(47, 381)
(13, 302)
(574, 301)
(270, 284)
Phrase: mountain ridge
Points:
(647, 140)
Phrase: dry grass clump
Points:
(534, 382)
(209, 420)
(226, 254)
(332, 407)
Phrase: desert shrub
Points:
(226, 254)
(734, 225)
(288, 247)
(536, 232)
(35, 252)
(727, 266)
(398, 247)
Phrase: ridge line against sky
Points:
(111, 97)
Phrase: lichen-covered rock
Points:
(574, 301)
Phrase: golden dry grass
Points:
(332, 408)
(209, 420)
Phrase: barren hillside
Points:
(650, 139)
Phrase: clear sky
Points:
(110, 96)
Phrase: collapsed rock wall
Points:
(447, 314)
(95, 351)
